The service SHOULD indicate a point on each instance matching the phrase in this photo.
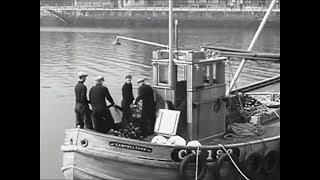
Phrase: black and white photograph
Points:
(160, 89)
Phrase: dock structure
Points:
(158, 9)
(86, 13)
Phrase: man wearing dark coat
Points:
(82, 112)
(145, 93)
(127, 99)
(101, 115)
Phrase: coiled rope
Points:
(234, 162)
(242, 130)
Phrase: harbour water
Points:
(66, 51)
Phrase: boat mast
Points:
(254, 39)
(171, 68)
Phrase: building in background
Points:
(91, 3)
(151, 3)
(57, 2)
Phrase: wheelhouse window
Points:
(209, 77)
(163, 74)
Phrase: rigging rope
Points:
(236, 88)
(231, 71)
(275, 112)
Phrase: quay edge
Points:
(159, 19)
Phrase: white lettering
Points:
(209, 154)
(182, 154)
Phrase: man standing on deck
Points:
(127, 99)
(101, 115)
(145, 93)
(83, 119)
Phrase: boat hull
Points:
(110, 157)
(121, 170)
(92, 167)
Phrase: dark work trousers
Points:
(126, 113)
(102, 119)
(83, 117)
(148, 117)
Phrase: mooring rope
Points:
(233, 162)
(197, 158)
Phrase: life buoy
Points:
(224, 160)
(192, 158)
(253, 163)
(271, 161)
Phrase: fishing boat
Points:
(205, 110)
(92, 155)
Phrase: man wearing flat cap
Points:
(127, 99)
(145, 93)
(83, 118)
(101, 115)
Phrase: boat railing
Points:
(266, 96)
(204, 147)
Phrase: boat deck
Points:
(271, 131)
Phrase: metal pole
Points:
(176, 34)
(171, 72)
(254, 39)
(142, 41)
